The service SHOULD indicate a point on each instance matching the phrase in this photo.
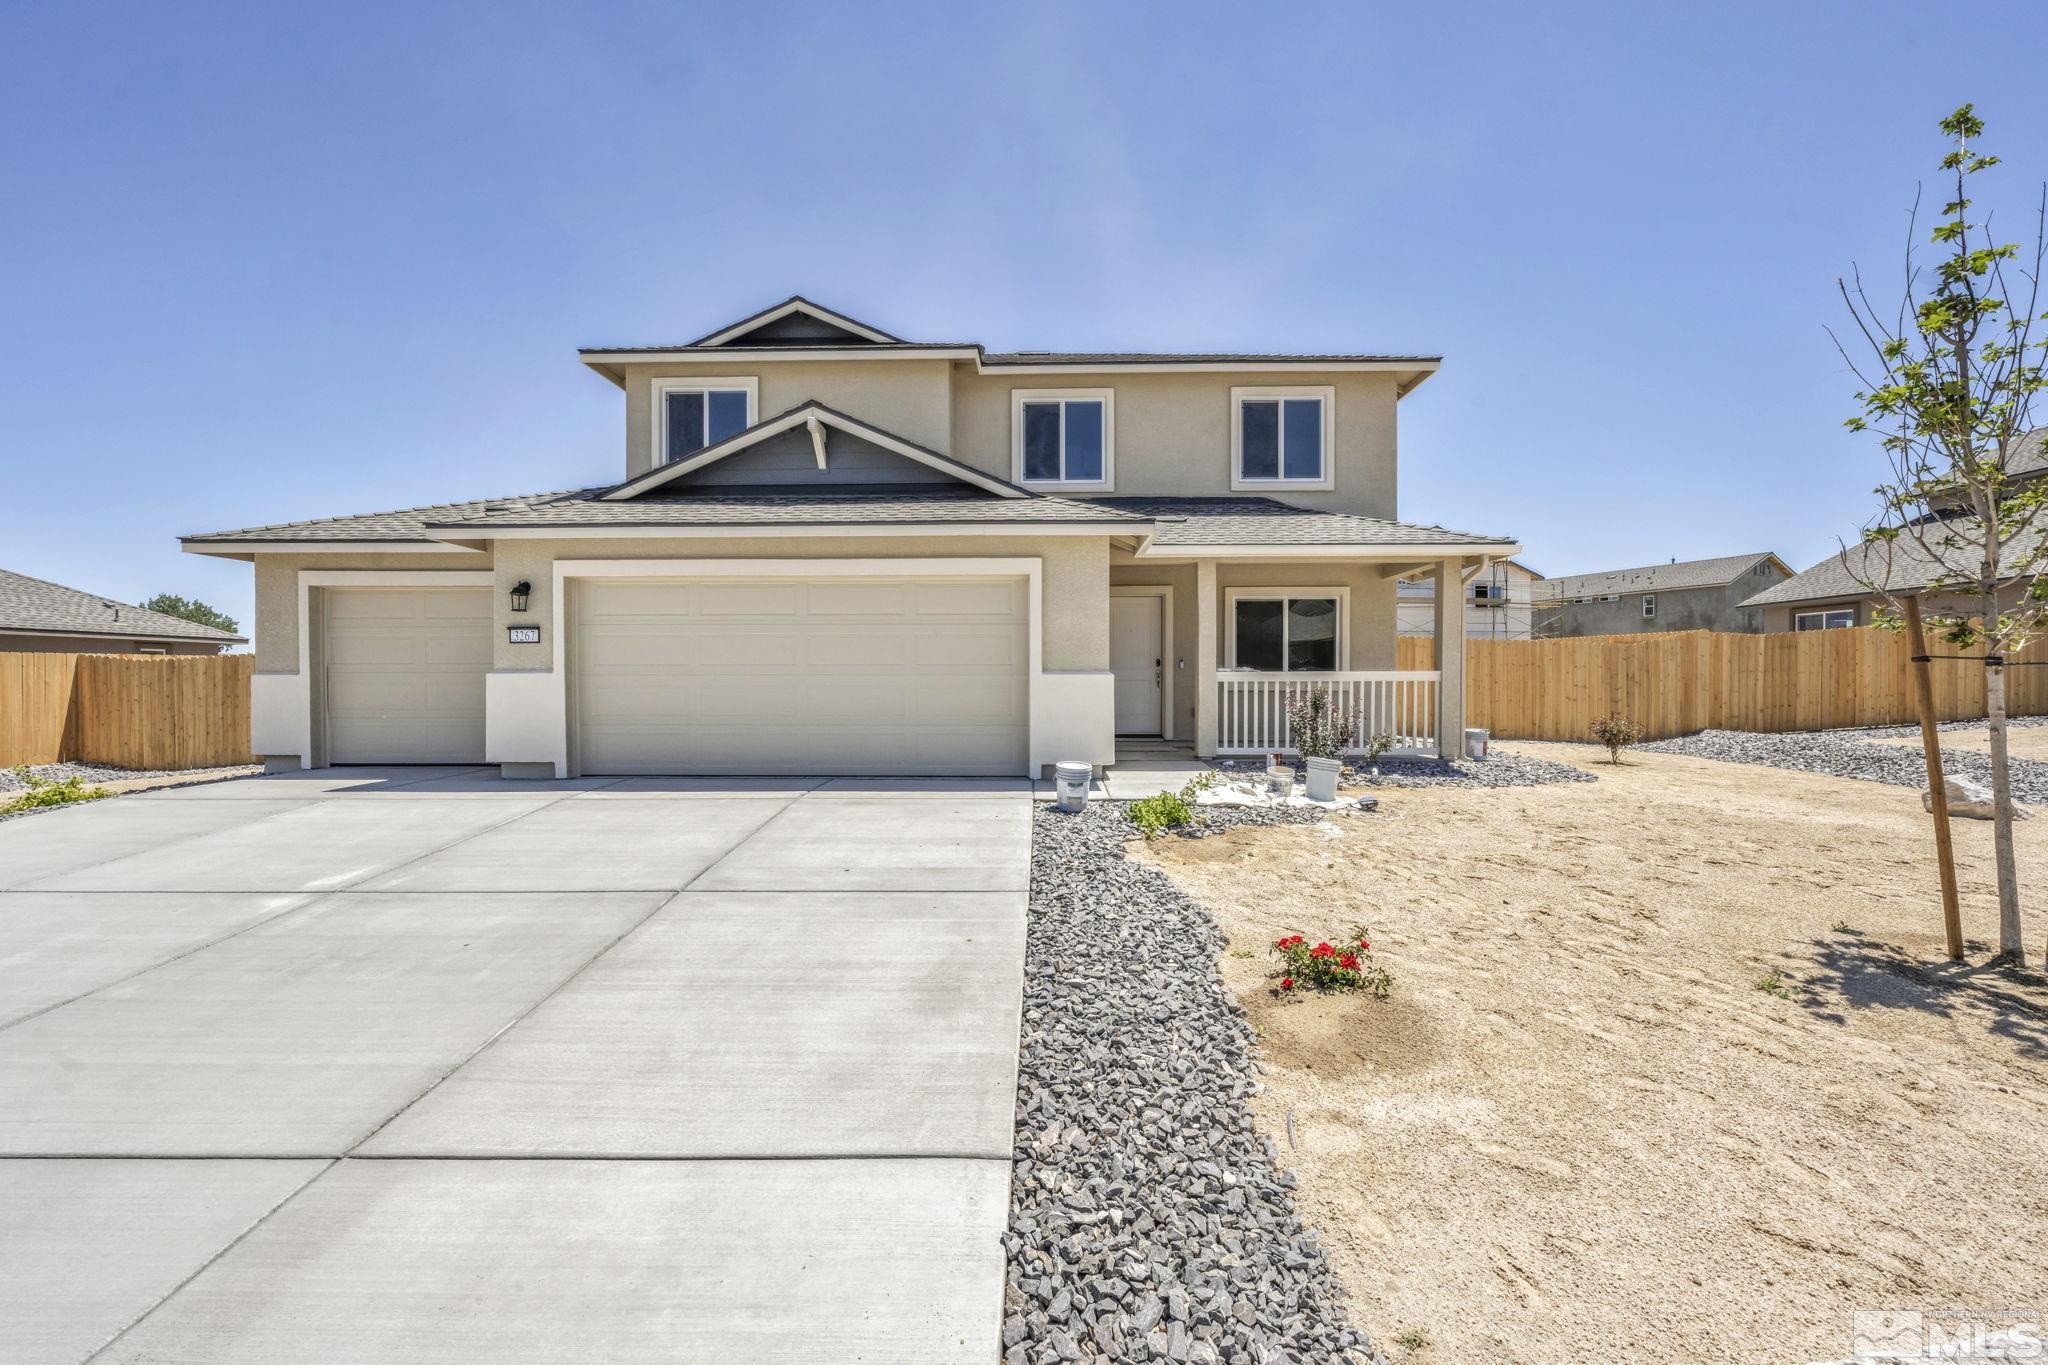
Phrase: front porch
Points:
(1210, 646)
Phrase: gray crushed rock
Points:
(1498, 769)
(1148, 1218)
(1901, 731)
(1836, 753)
(10, 779)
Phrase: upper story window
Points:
(1649, 605)
(690, 414)
(1282, 437)
(1063, 437)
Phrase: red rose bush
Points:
(1345, 966)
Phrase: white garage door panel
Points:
(405, 674)
(799, 675)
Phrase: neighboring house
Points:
(1833, 593)
(1690, 594)
(40, 617)
(1499, 603)
(832, 550)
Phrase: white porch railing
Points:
(1251, 716)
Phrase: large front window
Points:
(1835, 618)
(1281, 437)
(1063, 438)
(1287, 634)
(692, 414)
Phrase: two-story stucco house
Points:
(832, 550)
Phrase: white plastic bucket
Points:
(1070, 785)
(1322, 778)
(1475, 743)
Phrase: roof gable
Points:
(796, 321)
(816, 421)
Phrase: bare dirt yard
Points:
(1672, 1069)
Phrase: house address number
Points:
(522, 635)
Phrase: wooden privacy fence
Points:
(1683, 681)
(127, 710)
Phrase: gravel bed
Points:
(93, 773)
(1148, 1219)
(1834, 754)
(1901, 731)
(1497, 769)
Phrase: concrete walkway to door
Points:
(416, 1064)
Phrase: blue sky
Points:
(265, 262)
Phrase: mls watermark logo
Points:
(1947, 1334)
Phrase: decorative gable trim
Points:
(815, 417)
(795, 303)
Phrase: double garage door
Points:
(757, 675)
(799, 675)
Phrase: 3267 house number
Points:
(522, 635)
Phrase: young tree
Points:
(190, 609)
(1949, 384)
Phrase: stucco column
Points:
(1450, 658)
(1207, 650)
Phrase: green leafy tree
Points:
(191, 609)
(1948, 381)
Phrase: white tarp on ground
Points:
(1256, 793)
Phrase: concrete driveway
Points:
(415, 1064)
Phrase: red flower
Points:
(1348, 962)
(1322, 950)
(1286, 943)
(1363, 946)
(1286, 983)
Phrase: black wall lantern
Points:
(520, 592)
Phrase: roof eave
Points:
(1364, 551)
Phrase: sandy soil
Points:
(1579, 1130)
(2022, 741)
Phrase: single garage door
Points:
(405, 674)
(792, 675)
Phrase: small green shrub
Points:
(1774, 982)
(1376, 746)
(1169, 810)
(1316, 728)
(39, 792)
(1412, 1340)
(1617, 732)
(1331, 967)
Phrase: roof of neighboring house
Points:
(1900, 566)
(35, 604)
(1676, 576)
(1265, 521)
(2030, 454)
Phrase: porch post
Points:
(1450, 658)
(1207, 651)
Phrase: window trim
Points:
(1649, 606)
(657, 411)
(1327, 393)
(1232, 596)
(1106, 397)
(1824, 613)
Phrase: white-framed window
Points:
(1285, 630)
(1828, 618)
(690, 414)
(1649, 605)
(1283, 437)
(1063, 438)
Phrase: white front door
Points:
(1135, 656)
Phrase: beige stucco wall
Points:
(1075, 579)
(1369, 629)
(277, 594)
(912, 398)
(1172, 431)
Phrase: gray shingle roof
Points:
(37, 604)
(1674, 577)
(1264, 521)
(772, 508)
(406, 523)
(1905, 567)
(1195, 358)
